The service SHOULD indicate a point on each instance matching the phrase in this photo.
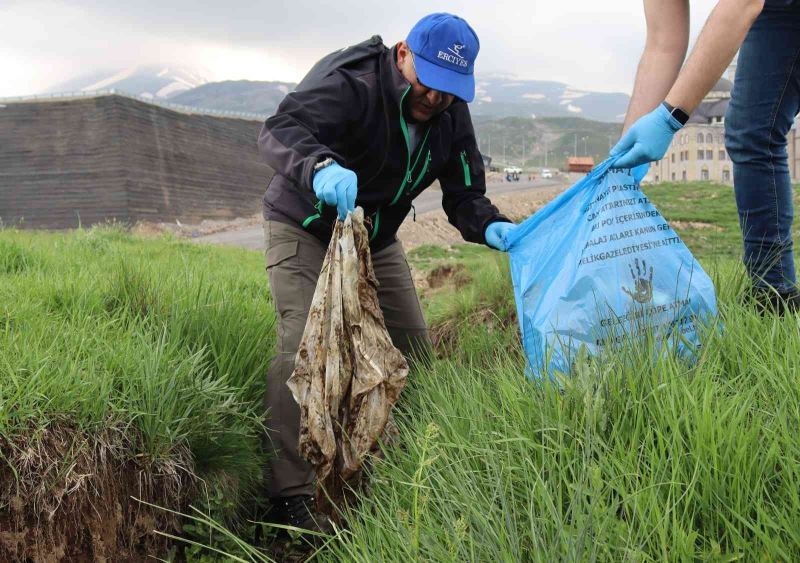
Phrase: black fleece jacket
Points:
(354, 115)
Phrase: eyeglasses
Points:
(414, 65)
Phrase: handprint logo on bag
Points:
(643, 286)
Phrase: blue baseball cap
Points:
(445, 48)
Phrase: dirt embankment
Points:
(426, 228)
(192, 230)
(70, 496)
(434, 228)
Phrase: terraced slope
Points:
(85, 161)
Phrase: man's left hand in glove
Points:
(496, 234)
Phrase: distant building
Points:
(730, 73)
(698, 150)
(581, 164)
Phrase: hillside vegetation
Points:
(556, 135)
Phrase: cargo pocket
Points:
(282, 273)
(281, 252)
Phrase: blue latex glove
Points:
(647, 140)
(496, 234)
(336, 185)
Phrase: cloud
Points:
(589, 45)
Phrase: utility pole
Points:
(490, 146)
(585, 151)
(575, 152)
(545, 153)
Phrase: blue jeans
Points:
(764, 103)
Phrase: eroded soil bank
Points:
(66, 495)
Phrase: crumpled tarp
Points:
(348, 375)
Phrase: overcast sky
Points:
(589, 44)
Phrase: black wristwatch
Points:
(677, 113)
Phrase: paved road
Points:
(430, 200)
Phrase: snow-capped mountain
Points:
(495, 96)
(505, 96)
(150, 81)
(237, 95)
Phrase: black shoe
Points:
(299, 511)
(768, 300)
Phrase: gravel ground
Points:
(430, 226)
(434, 228)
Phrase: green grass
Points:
(713, 206)
(163, 340)
(633, 460)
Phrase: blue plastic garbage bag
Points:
(599, 266)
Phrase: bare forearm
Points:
(664, 51)
(656, 75)
(721, 37)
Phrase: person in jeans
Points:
(764, 102)
(370, 126)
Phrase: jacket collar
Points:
(394, 83)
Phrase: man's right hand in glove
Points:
(336, 185)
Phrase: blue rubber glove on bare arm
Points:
(496, 234)
(647, 140)
(337, 186)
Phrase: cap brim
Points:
(438, 78)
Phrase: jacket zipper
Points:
(409, 172)
(307, 221)
(413, 187)
(467, 175)
(407, 179)
(422, 173)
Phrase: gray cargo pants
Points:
(294, 260)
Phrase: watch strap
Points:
(323, 164)
(680, 115)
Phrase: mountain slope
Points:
(497, 96)
(150, 81)
(237, 95)
(524, 141)
(505, 96)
